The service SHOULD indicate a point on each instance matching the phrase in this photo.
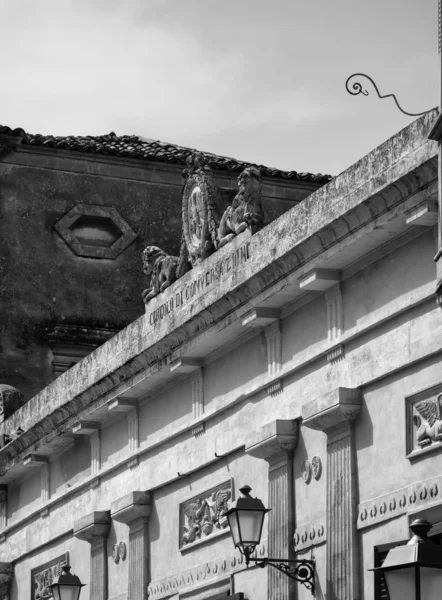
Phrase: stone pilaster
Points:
(133, 430)
(93, 528)
(276, 443)
(334, 414)
(45, 489)
(6, 573)
(134, 510)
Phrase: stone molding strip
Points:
(400, 502)
(309, 535)
(216, 569)
(337, 209)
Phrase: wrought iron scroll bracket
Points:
(302, 571)
(358, 89)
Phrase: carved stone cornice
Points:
(274, 438)
(340, 406)
(352, 200)
(133, 506)
(93, 527)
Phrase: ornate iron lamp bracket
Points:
(358, 89)
(302, 571)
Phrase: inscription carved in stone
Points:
(42, 577)
(204, 515)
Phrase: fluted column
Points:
(334, 414)
(134, 510)
(93, 528)
(276, 443)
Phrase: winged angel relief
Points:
(204, 516)
(428, 421)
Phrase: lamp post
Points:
(414, 571)
(66, 586)
(246, 518)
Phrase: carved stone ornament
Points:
(316, 467)
(161, 270)
(246, 208)
(306, 471)
(122, 550)
(42, 577)
(200, 210)
(204, 515)
(115, 554)
(424, 419)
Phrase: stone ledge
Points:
(92, 526)
(131, 507)
(333, 409)
(275, 437)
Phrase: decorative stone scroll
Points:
(43, 576)
(309, 535)
(424, 420)
(423, 494)
(200, 210)
(203, 516)
(246, 209)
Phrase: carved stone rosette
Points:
(200, 210)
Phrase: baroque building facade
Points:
(301, 357)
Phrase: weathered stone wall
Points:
(44, 283)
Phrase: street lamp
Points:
(246, 518)
(66, 586)
(414, 571)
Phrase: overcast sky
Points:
(258, 80)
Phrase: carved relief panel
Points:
(203, 516)
(43, 576)
(424, 420)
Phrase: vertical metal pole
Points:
(438, 256)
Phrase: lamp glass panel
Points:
(234, 528)
(250, 525)
(401, 584)
(66, 592)
(431, 583)
(56, 593)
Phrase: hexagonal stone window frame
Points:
(96, 250)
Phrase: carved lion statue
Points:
(246, 208)
(161, 268)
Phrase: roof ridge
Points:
(134, 146)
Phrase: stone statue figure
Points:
(246, 209)
(162, 269)
(429, 422)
